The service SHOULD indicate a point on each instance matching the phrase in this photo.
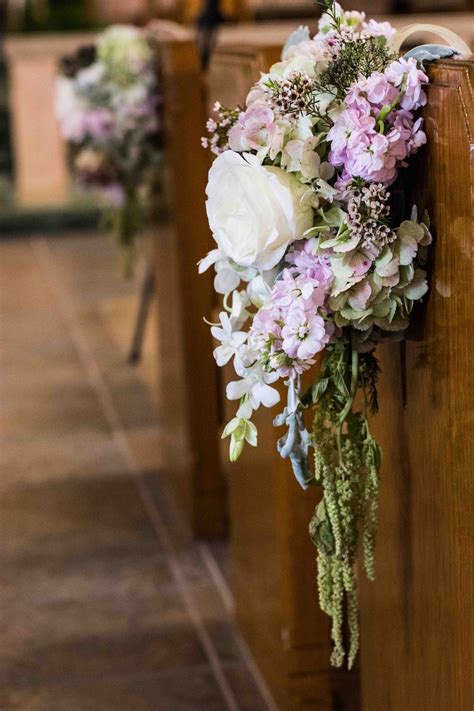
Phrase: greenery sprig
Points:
(358, 58)
(347, 463)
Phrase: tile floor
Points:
(105, 603)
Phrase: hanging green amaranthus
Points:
(347, 462)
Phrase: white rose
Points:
(254, 211)
(307, 57)
(299, 63)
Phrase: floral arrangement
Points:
(314, 271)
(106, 103)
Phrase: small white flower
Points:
(259, 291)
(256, 386)
(245, 409)
(239, 313)
(227, 278)
(211, 258)
(231, 340)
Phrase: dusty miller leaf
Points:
(430, 52)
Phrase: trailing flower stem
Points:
(354, 380)
(347, 461)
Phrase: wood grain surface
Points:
(273, 559)
(188, 377)
(417, 631)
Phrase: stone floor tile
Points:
(185, 690)
(244, 687)
(92, 611)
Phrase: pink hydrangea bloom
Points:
(304, 333)
(404, 74)
(371, 159)
(289, 289)
(293, 287)
(316, 268)
(349, 129)
(267, 321)
(289, 330)
(376, 89)
(405, 136)
(256, 129)
(368, 147)
(378, 29)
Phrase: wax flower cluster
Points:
(106, 102)
(310, 263)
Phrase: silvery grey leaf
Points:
(294, 445)
(430, 52)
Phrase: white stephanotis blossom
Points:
(231, 340)
(255, 211)
(227, 279)
(256, 386)
(228, 273)
(239, 313)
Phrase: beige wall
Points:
(39, 151)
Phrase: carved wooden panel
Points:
(417, 617)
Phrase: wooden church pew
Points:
(187, 388)
(273, 560)
(417, 618)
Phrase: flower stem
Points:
(354, 379)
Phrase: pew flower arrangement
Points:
(313, 270)
(106, 104)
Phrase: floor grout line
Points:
(227, 600)
(220, 583)
(45, 258)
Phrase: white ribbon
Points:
(449, 36)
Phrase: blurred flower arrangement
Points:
(309, 262)
(107, 101)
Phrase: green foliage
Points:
(54, 16)
(330, 9)
(369, 371)
(359, 58)
(124, 223)
(347, 462)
